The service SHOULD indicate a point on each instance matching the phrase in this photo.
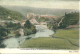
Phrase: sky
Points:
(59, 4)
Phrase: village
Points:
(31, 17)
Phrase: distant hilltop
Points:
(44, 11)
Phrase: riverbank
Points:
(15, 42)
(69, 34)
(62, 39)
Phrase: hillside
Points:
(6, 14)
(70, 19)
(42, 11)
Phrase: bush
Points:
(17, 34)
(52, 25)
(29, 28)
(27, 31)
(13, 26)
(2, 46)
(3, 32)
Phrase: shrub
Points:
(29, 28)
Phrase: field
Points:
(69, 34)
(63, 39)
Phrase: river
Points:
(42, 31)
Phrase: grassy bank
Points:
(69, 34)
(55, 43)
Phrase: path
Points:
(67, 40)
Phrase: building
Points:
(30, 15)
(33, 21)
(48, 16)
(22, 24)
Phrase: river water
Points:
(42, 31)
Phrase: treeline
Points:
(70, 19)
(13, 26)
(13, 29)
(6, 14)
(3, 33)
(64, 21)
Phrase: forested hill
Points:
(6, 14)
(70, 19)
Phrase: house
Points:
(47, 16)
(22, 24)
(33, 21)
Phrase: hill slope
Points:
(7, 14)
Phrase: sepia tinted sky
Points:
(59, 4)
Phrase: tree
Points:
(27, 24)
(29, 28)
(52, 25)
(3, 33)
(13, 26)
(69, 19)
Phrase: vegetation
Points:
(13, 26)
(27, 24)
(52, 24)
(3, 33)
(9, 15)
(6, 14)
(29, 28)
(69, 34)
(17, 34)
(42, 19)
(63, 39)
(69, 19)
(48, 43)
